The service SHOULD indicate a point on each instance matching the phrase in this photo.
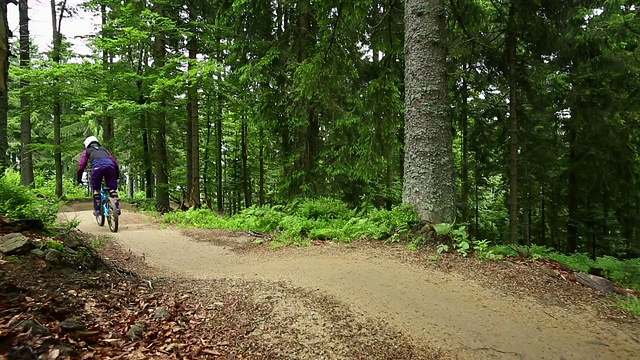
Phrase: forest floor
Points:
(233, 298)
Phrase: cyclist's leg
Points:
(96, 184)
(111, 179)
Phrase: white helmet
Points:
(89, 140)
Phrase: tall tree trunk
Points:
(107, 125)
(56, 24)
(429, 167)
(162, 175)
(194, 119)
(465, 152)
(245, 165)
(572, 196)
(543, 220)
(4, 90)
(205, 172)
(26, 157)
(512, 43)
(189, 149)
(261, 190)
(145, 124)
(219, 193)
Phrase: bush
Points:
(318, 219)
(46, 186)
(19, 202)
(323, 209)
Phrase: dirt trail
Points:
(442, 310)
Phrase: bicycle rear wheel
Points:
(113, 215)
(100, 218)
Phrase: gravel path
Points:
(432, 309)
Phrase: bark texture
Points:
(428, 166)
(4, 92)
(512, 39)
(162, 175)
(26, 157)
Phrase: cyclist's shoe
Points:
(96, 212)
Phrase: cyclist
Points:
(103, 165)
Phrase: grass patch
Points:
(630, 305)
(306, 220)
(623, 272)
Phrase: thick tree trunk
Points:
(4, 91)
(428, 168)
(512, 40)
(162, 175)
(26, 157)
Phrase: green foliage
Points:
(624, 272)
(323, 209)
(67, 226)
(630, 304)
(99, 242)
(19, 202)
(320, 219)
(46, 186)
(52, 244)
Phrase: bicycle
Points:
(108, 210)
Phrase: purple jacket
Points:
(98, 157)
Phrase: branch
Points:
(62, 9)
(333, 34)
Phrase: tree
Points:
(56, 24)
(428, 166)
(193, 121)
(162, 174)
(4, 90)
(26, 156)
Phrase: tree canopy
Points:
(228, 104)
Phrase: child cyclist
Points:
(103, 166)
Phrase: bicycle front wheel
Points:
(113, 215)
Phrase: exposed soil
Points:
(372, 300)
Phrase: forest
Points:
(228, 105)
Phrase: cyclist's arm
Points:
(84, 158)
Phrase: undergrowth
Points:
(624, 272)
(140, 201)
(631, 305)
(310, 219)
(45, 186)
(18, 202)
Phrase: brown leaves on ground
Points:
(37, 298)
(55, 312)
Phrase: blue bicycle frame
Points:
(104, 201)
